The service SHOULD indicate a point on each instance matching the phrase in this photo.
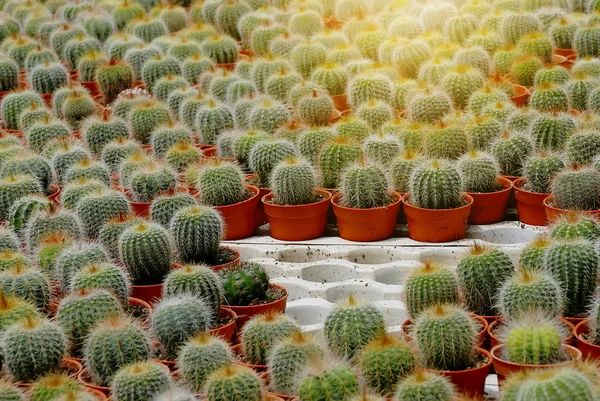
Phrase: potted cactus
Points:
(574, 188)
(220, 184)
(482, 180)
(531, 190)
(532, 341)
(365, 208)
(248, 292)
(435, 208)
(587, 333)
(295, 210)
(457, 357)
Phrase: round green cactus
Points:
(551, 132)
(267, 115)
(551, 74)
(197, 231)
(14, 103)
(351, 326)
(575, 225)
(199, 357)
(446, 142)
(140, 381)
(74, 258)
(47, 222)
(111, 231)
(584, 41)
(436, 185)
(364, 187)
(410, 55)
(479, 172)
(231, 382)
(329, 383)
(537, 44)
(79, 312)
(53, 385)
(9, 73)
(384, 362)
(425, 385)
(177, 318)
(375, 113)
(511, 151)
(539, 170)
(197, 280)
(212, 119)
(77, 189)
(87, 168)
(571, 276)
(262, 332)
(32, 115)
(32, 347)
(517, 25)
(98, 207)
(332, 77)
(41, 132)
(582, 147)
(112, 344)
(222, 49)
(316, 108)
(554, 384)
(527, 290)
(152, 178)
(27, 283)
(23, 209)
(429, 105)
(158, 67)
(336, 155)
(105, 276)
(146, 252)
(533, 339)
(145, 117)
(524, 69)
(401, 169)
(113, 78)
(99, 132)
(288, 358)
(369, 86)
(548, 97)
(429, 284)
(76, 108)
(574, 188)
(10, 392)
(244, 283)
(47, 77)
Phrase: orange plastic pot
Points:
(147, 293)
(589, 350)
(92, 87)
(227, 66)
(266, 379)
(98, 395)
(364, 225)
(530, 205)
(433, 225)
(505, 368)
(488, 208)
(245, 313)
(227, 331)
(47, 97)
(208, 150)
(521, 95)
(297, 222)
(240, 218)
(261, 217)
(470, 382)
(558, 59)
(54, 194)
(138, 303)
(554, 213)
(340, 102)
(565, 52)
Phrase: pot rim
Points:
(242, 307)
(467, 197)
(480, 351)
(396, 195)
(507, 185)
(255, 193)
(570, 350)
(320, 191)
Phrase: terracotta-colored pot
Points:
(234, 261)
(47, 97)
(240, 218)
(333, 23)
(227, 331)
(521, 95)
(84, 378)
(481, 336)
(340, 102)
(557, 59)
(554, 213)
(433, 225)
(98, 395)
(92, 87)
(208, 150)
(505, 368)
(488, 208)
(470, 382)
(73, 74)
(365, 225)
(54, 196)
(244, 313)
(261, 217)
(495, 341)
(149, 293)
(588, 349)
(530, 205)
(565, 52)
(297, 222)
(227, 66)
(237, 350)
